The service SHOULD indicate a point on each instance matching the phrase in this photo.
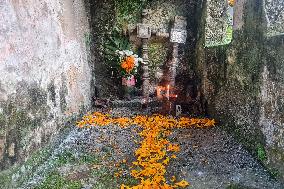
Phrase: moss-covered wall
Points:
(45, 75)
(243, 84)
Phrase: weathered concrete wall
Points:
(45, 76)
(271, 97)
(243, 85)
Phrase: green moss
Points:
(16, 115)
(158, 53)
(2, 132)
(2, 119)
(2, 125)
(106, 179)
(250, 139)
(261, 154)
(88, 38)
(128, 12)
(249, 63)
(89, 159)
(65, 158)
(26, 170)
(68, 157)
(20, 124)
(29, 167)
(237, 186)
(275, 163)
(51, 90)
(63, 92)
(245, 134)
(4, 180)
(103, 176)
(38, 157)
(6, 177)
(54, 180)
(275, 173)
(37, 98)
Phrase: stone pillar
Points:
(144, 32)
(178, 35)
(173, 65)
(145, 67)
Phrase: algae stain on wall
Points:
(45, 72)
(246, 97)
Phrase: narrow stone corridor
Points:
(102, 94)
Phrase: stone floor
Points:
(209, 158)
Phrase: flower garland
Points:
(129, 62)
(155, 149)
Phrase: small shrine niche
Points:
(274, 15)
(164, 36)
(161, 36)
(219, 22)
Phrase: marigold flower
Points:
(128, 63)
(231, 2)
(182, 184)
(151, 156)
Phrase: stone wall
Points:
(218, 23)
(274, 17)
(161, 18)
(124, 15)
(45, 75)
(102, 22)
(243, 84)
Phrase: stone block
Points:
(274, 14)
(143, 31)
